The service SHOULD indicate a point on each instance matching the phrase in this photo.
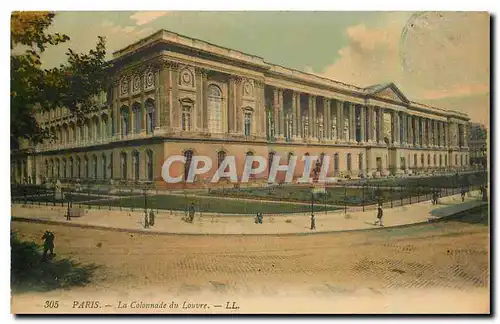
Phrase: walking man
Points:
(48, 244)
(462, 193)
(151, 217)
(380, 214)
(313, 222)
(191, 212)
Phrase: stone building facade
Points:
(478, 145)
(174, 95)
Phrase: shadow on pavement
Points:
(477, 215)
(30, 273)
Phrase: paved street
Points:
(435, 267)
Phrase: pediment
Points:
(388, 92)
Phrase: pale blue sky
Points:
(449, 57)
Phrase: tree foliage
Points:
(72, 84)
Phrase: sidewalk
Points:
(166, 222)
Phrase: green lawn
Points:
(209, 204)
(333, 196)
(50, 198)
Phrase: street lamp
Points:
(68, 216)
(146, 222)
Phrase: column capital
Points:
(326, 101)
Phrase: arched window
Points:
(428, 159)
(78, 168)
(81, 132)
(456, 159)
(186, 118)
(96, 128)
(125, 118)
(349, 167)
(248, 123)
(86, 167)
(415, 159)
(150, 116)
(86, 130)
(445, 160)
(65, 137)
(360, 161)
(440, 160)
(137, 118)
(461, 160)
(214, 108)
(94, 166)
(270, 158)
(422, 159)
(104, 126)
(71, 173)
(189, 157)
(103, 166)
(149, 165)
(435, 160)
(111, 166)
(64, 170)
(72, 131)
(135, 163)
(336, 162)
(123, 162)
(58, 169)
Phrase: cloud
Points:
(145, 17)
(447, 57)
(457, 91)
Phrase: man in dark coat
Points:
(48, 244)
(313, 222)
(380, 215)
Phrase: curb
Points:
(138, 231)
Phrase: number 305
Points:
(51, 304)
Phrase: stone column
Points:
(352, 122)
(410, 131)
(281, 115)
(362, 117)
(446, 135)
(401, 124)
(466, 144)
(340, 120)
(294, 114)
(299, 116)
(373, 125)
(396, 129)
(310, 116)
(381, 125)
(314, 125)
(327, 123)
(435, 132)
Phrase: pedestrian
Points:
(313, 222)
(48, 244)
(260, 217)
(146, 221)
(151, 217)
(462, 193)
(191, 212)
(380, 215)
(257, 218)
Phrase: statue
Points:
(58, 191)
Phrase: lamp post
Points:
(68, 216)
(146, 222)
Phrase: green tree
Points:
(72, 84)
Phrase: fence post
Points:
(392, 196)
(363, 196)
(345, 199)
